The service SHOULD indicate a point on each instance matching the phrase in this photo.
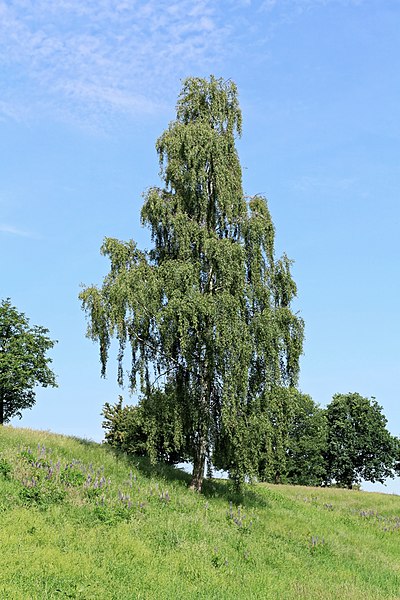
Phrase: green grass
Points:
(109, 527)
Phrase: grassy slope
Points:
(142, 534)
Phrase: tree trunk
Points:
(201, 445)
(199, 461)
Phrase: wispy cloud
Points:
(11, 230)
(93, 60)
(92, 56)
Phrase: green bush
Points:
(71, 476)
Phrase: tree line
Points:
(341, 445)
(205, 316)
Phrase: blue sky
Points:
(87, 86)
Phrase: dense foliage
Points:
(307, 442)
(138, 430)
(295, 449)
(342, 445)
(23, 361)
(207, 311)
(359, 446)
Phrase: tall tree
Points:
(23, 361)
(207, 310)
(359, 445)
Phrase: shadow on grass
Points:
(212, 488)
(248, 497)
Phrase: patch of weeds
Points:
(125, 499)
(110, 515)
(27, 455)
(368, 514)
(388, 524)
(31, 494)
(313, 500)
(44, 481)
(216, 559)
(243, 524)
(41, 463)
(391, 524)
(165, 497)
(317, 545)
(95, 485)
(37, 462)
(72, 476)
(5, 468)
(246, 556)
(102, 513)
(93, 493)
(34, 491)
(122, 513)
(111, 510)
(168, 538)
(242, 551)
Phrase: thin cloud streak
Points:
(104, 55)
(303, 5)
(11, 230)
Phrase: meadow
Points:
(79, 521)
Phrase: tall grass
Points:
(78, 521)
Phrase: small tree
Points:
(359, 446)
(142, 430)
(23, 361)
(206, 311)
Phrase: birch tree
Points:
(206, 312)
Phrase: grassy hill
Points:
(77, 521)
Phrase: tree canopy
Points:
(358, 445)
(207, 310)
(295, 450)
(307, 440)
(342, 445)
(23, 361)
